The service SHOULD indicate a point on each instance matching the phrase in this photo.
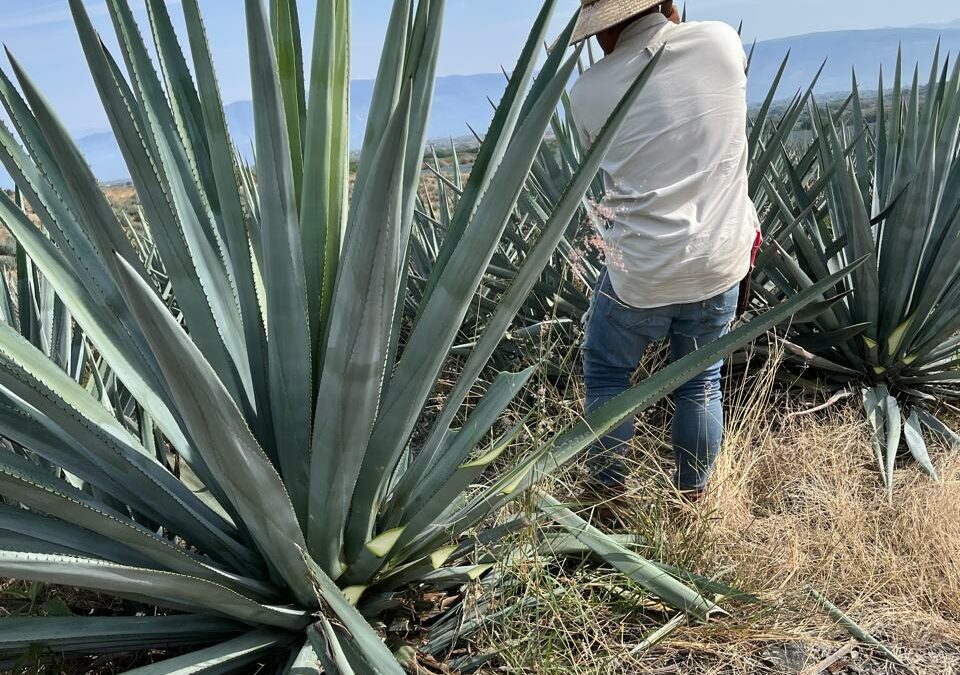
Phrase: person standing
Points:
(677, 222)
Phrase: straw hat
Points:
(599, 15)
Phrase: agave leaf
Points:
(183, 223)
(246, 474)
(422, 480)
(854, 629)
(236, 223)
(221, 658)
(289, 346)
(285, 22)
(873, 402)
(308, 661)
(640, 570)
(323, 210)
(163, 588)
(184, 101)
(66, 537)
(61, 500)
(76, 634)
(939, 428)
(536, 260)
(894, 434)
(368, 653)
(81, 184)
(442, 316)
(497, 139)
(355, 360)
(106, 445)
(918, 447)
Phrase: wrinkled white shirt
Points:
(677, 222)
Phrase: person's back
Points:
(677, 222)
(680, 220)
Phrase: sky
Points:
(480, 36)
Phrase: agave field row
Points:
(212, 413)
(884, 190)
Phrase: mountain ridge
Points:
(462, 102)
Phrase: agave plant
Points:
(234, 445)
(888, 191)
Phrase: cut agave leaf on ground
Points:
(855, 630)
(653, 579)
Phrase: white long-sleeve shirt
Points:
(677, 221)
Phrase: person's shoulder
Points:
(579, 93)
(716, 31)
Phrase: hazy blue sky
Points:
(480, 35)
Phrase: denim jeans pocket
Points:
(723, 305)
(628, 317)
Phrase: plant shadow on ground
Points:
(797, 504)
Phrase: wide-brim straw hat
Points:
(599, 15)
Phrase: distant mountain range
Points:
(463, 102)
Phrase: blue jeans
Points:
(617, 336)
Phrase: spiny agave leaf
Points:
(323, 208)
(308, 661)
(102, 441)
(426, 474)
(759, 122)
(355, 364)
(640, 570)
(59, 499)
(236, 222)
(184, 100)
(816, 309)
(829, 339)
(285, 22)
(246, 474)
(386, 91)
(497, 139)
(108, 634)
(215, 322)
(289, 344)
(894, 433)
(163, 588)
(62, 227)
(67, 537)
(441, 317)
(327, 645)
(162, 177)
(221, 658)
(420, 69)
(918, 447)
(368, 653)
(87, 198)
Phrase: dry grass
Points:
(796, 504)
